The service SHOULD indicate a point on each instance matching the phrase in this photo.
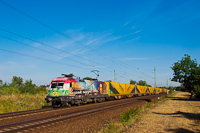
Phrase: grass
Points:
(178, 113)
(129, 114)
(20, 102)
(129, 118)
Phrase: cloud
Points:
(12, 62)
(133, 27)
(137, 31)
(125, 24)
(128, 59)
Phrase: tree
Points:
(133, 82)
(28, 87)
(71, 74)
(87, 78)
(141, 82)
(187, 72)
(17, 82)
(1, 83)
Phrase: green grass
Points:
(111, 127)
(129, 117)
(129, 114)
(20, 102)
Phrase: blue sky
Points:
(129, 36)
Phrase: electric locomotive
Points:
(67, 91)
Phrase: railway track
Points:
(45, 121)
(22, 113)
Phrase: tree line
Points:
(141, 82)
(18, 86)
(187, 72)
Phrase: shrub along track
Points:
(78, 119)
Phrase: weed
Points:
(112, 127)
(126, 116)
(21, 103)
(148, 105)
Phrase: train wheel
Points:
(103, 99)
(68, 105)
(99, 100)
(95, 100)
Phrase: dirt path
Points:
(178, 114)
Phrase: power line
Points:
(47, 45)
(38, 58)
(65, 35)
(45, 51)
(61, 33)
(36, 47)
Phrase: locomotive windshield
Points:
(57, 84)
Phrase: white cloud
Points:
(126, 59)
(133, 27)
(12, 62)
(125, 24)
(137, 31)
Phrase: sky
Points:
(42, 39)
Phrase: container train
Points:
(67, 91)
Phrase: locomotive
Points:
(67, 91)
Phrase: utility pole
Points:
(145, 83)
(114, 75)
(154, 76)
(167, 83)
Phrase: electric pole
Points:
(114, 75)
(167, 83)
(155, 77)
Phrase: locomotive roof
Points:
(63, 78)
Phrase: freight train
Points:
(67, 91)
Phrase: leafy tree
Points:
(17, 81)
(28, 87)
(87, 78)
(133, 82)
(141, 82)
(187, 72)
(42, 89)
(1, 83)
(71, 74)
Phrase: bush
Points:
(197, 90)
(126, 116)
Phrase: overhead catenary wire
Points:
(35, 57)
(47, 45)
(44, 59)
(65, 35)
(42, 50)
(72, 39)
(35, 47)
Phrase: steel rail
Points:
(11, 114)
(24, 125)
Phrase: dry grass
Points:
(11, 103)
(177, 114)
